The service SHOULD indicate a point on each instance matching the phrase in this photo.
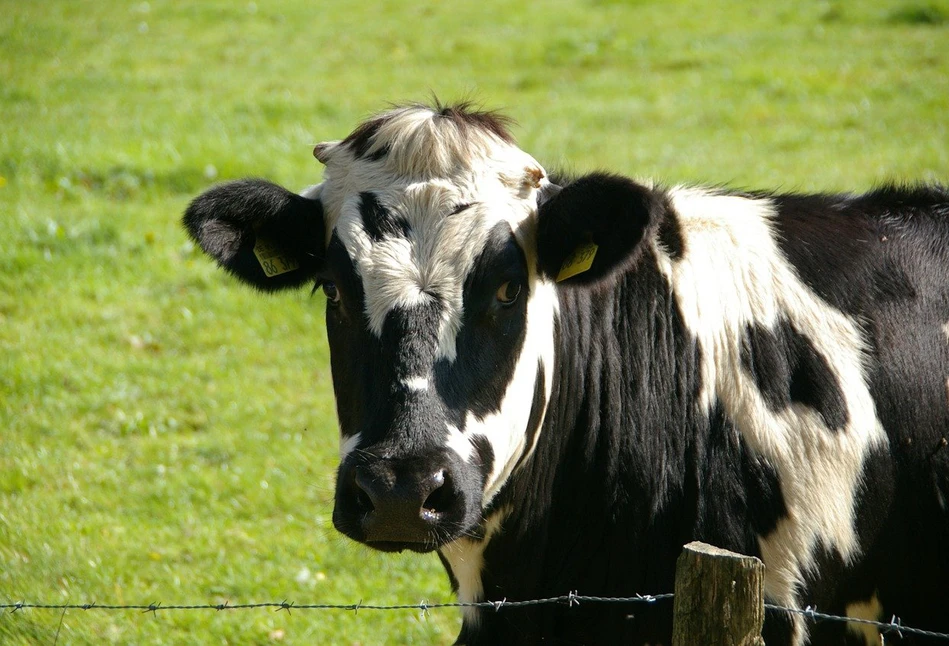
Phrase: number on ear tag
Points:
(273, 260)
(578, 262)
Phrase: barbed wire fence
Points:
(892, 628)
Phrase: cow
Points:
(556, 382)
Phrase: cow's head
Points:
(438, 244)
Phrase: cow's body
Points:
(767, 373)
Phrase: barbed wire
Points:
(893, 627)
(570, 599)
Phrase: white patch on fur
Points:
(347, 444)
(733, 274)
(871, 610)
(459, 443)
(416, 384)
(505, 430)
(466, 559)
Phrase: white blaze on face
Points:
(506, 430)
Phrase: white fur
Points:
(733, 274)
(347, 444)
(416, 384)
(871, 610)
(460, 443)
(466, 559)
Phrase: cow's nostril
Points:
(363, 500)
(441, 498)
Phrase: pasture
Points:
(169, 436)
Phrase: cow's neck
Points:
(610, 454)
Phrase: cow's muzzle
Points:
(393, 505)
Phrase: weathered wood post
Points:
(719, 598)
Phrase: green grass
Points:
(166, 435)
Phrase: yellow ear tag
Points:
(578, 262)
(273, 260)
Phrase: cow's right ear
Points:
(262, 233)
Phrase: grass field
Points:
(168, 436)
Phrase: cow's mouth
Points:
(401, 546)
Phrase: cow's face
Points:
(440, 327)
(439, 279)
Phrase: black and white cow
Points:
(556, 387)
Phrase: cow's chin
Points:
(401, 546)
(397, 540)
(411, 536)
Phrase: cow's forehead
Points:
(461, 157)
(414, 196)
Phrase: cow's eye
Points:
(332, 294)
(508, 292)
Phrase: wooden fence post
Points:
(719, 598)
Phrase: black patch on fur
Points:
(814, 384)
(846, 247)
(491, 336)
(670, 235)
(765, 358)
(410, 334)
(742, 491)
(378, 221)
(360, 139)
(485, 453)
(465, 115)
(766, 506)
(787, 368)
(538, 405)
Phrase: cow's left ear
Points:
(262, 233)
(594, 227)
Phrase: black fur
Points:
(610, 211)
(378, 221)
(360, 140)
(670, 235)
(788, 368)
(227, 220)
